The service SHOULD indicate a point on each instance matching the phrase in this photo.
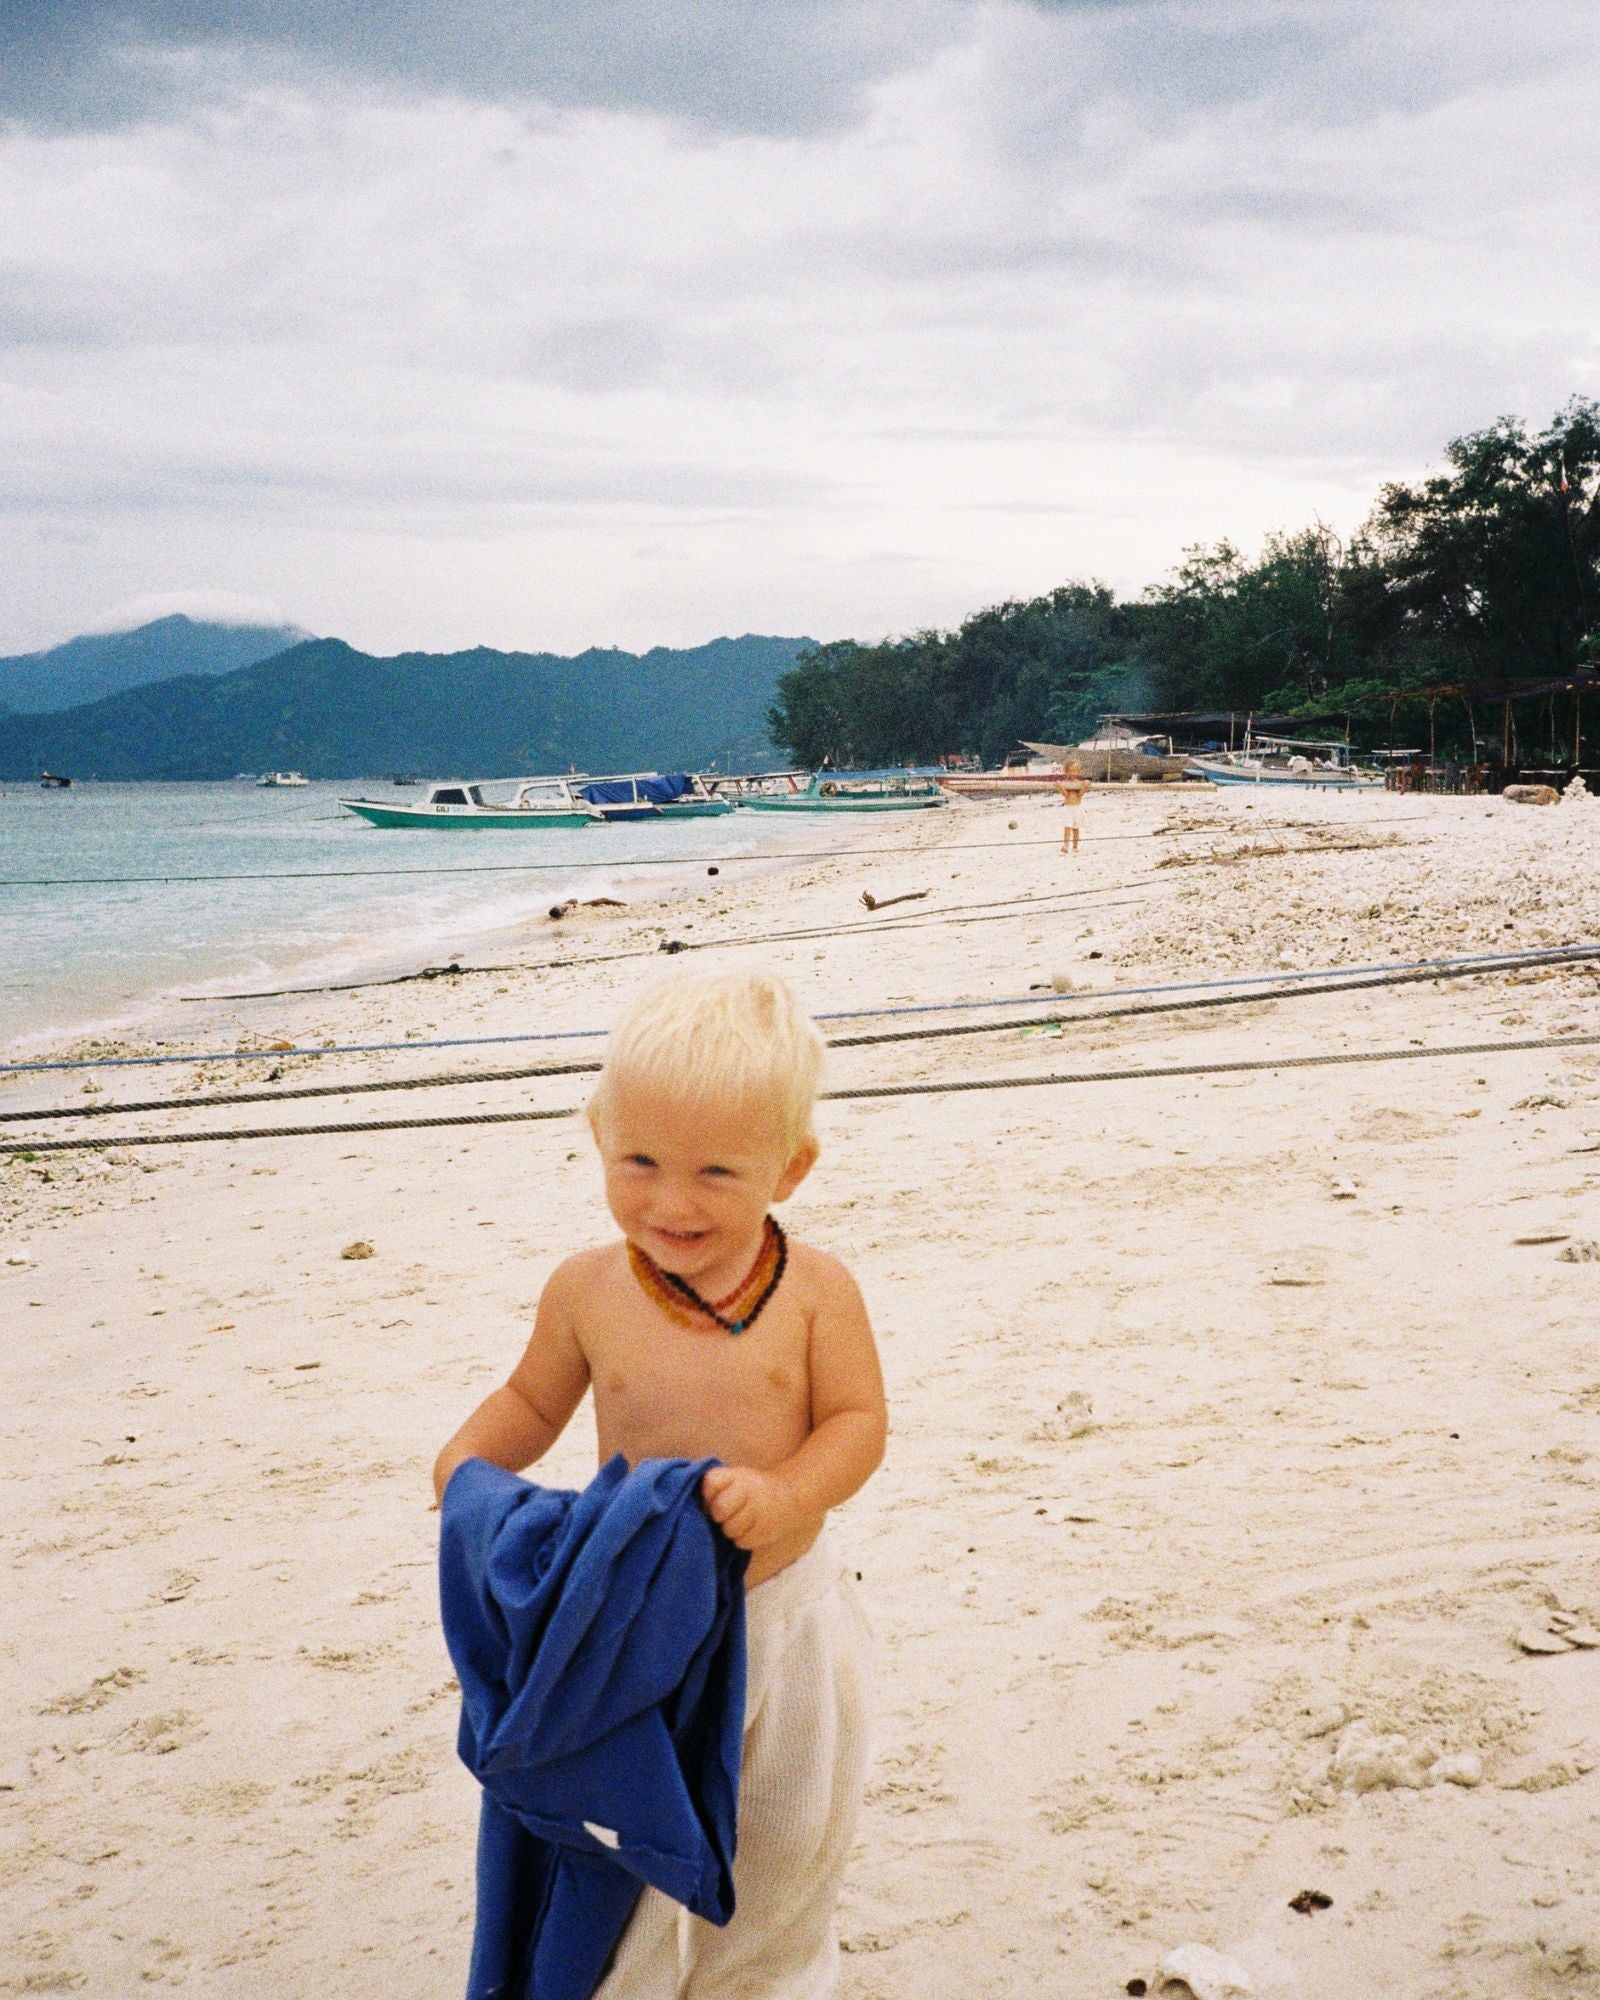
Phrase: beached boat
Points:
(281, 781)
(1022, 775)
(537, 802)
(1297, 762)
(653, 795)
(852, 791)
(1117, 752)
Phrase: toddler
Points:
(705, 1332)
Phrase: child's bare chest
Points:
(665, 1390)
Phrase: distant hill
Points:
(325, 709)
(102, 663)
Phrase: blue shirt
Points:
(599, 1641)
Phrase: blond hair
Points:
(733, 1037)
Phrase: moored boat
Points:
(852, 791)
(281, 781)
(652, 795)
(548, 803)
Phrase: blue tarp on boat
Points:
(659, 791)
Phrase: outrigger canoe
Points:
(852, 791)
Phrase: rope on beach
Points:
(1574, 955)
(1508, 961)
(630, 861)
(989, 913)
(956, 1086)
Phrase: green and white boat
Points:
(850, 791)
(537, 802)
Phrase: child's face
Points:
(691, 1184)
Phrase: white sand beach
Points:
(1240, 1425)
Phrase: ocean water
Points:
(80, 953)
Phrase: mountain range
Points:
(322, 707)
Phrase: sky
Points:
(602, 322)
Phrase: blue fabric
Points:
(659, 791)
(600, 1645)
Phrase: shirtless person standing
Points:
(705, 1333)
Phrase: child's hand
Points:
(751, 1508)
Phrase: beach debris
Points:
(1542, 1639)
(104, 1688)
(672, 944)
(1575, 788)
(354, 1252)
(1531, 795)
(1205, 1974)
(1537, 1238)
(1584, 1251)
(1365, 1761)
(559, 910)
(177, 1586)
(713, 871)
(90, 1088)
(1310, 1900)
(1343, 1190)
(156, 1735)
(887, 902)
(1073, 1417)
(18, 1258)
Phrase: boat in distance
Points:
(537, 803)
(851, 791)
(281, 781)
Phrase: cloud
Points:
(728, 64)
(212, 607)
(1015, 292)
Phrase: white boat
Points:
(1300, 763)
(281, 781)
(548, 803)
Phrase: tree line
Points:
(1486, 573)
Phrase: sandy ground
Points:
(1238, 1430)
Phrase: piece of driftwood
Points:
(887, 902)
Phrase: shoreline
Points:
(170, 1010)
(1239, 1425)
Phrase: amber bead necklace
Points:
(743, 1305)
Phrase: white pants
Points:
(806, 1749)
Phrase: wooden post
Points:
(1505, 735)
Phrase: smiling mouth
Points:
(684, 1239)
